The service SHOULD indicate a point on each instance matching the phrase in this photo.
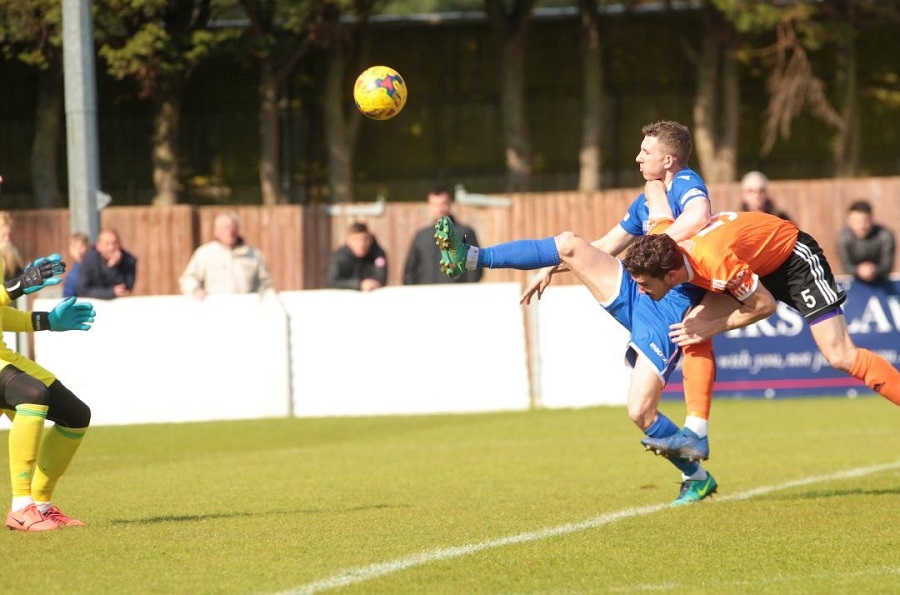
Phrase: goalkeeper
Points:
(30, 394)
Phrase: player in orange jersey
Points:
(759, 259)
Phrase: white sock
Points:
(472, 258)
(44, 506)
(700, 475)
(697, 425)
(20, 502)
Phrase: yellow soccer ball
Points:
(379, 92)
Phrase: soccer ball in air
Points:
(380, 92)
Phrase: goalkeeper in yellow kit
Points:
(29, 394)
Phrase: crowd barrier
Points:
(408, 350)
(400, 350)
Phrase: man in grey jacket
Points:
(226, 264)
(421, 267)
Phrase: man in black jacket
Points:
(360, 263)
(865, 247)
(420, 266)
(107, 271)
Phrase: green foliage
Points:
(762, 16)
(401, 7)
(278, 26)
(272, 505)
(157, 42)
(31, 31)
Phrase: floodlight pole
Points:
(81, 117)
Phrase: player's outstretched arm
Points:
(615, 240)
(43, 272)
(68, 315)
(698, 326)
(539, 283)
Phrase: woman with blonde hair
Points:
(13, 266)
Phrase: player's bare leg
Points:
(833, 339)
(644, 393)
(596, 269)
(600, 272)
(699, 370)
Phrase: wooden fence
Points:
(297, 241)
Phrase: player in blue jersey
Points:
(664, 153)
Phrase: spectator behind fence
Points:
(225, 265)
(755, 195)
(78, 247)
(13, 266)
(360, 263)
(866, 248)
(107, 271)
(420, 266)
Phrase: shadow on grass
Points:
(237, 515)
(816, 494)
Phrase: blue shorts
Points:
(648, 321)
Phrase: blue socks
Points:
(524, 255)
(664, 427)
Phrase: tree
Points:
(511, 29)
(280, 33)
(345, 42)
(716, 98)
(32, 34)
(842, 22)
(590, 156)
(159, 44)
(791, 83)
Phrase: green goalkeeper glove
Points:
(68, 315)
(43, 272)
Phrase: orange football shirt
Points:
(735, 249)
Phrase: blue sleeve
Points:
(687, 186)
(636, 216)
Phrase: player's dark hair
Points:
(442, 190)
(653, 256)
(674, 137)
(861, 206)
(358, 227)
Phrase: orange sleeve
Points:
(658, 225)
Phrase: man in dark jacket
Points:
(421, 267)
(107, 270)
(360, 263)
(755, 191)
(865, 247)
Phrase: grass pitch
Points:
(537, 502)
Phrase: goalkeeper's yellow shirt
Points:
(18, 321)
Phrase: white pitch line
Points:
(353, 576)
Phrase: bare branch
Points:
(793, 86)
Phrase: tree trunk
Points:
(339, 132)
(515, 125)
(716, 105)
(845, 149)
(269, 161)
(47, 135)
(590, 155)
(511, 31)
(705, 108)
(727, 151)
(165, 150)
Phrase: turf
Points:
(282, 505)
